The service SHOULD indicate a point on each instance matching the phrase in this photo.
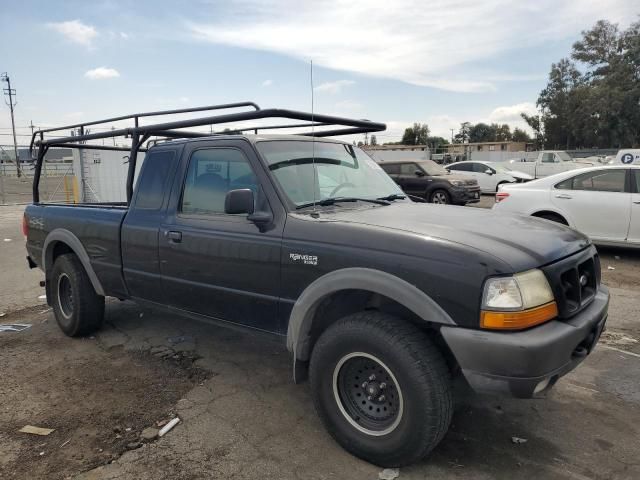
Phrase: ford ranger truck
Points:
(382, 302)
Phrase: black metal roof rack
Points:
(171, 130)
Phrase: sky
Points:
(440, 62)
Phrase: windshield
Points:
(564, 156)
(340, 171)
(432, 168)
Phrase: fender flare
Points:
(69, 239)
(376, 281)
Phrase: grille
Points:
(574, 281)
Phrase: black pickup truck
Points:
(382, 302)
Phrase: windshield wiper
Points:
(333, 200)
(392, 197)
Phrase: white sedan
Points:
(488, 174)
(602, 202)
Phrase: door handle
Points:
(173, 236)
(564, 195)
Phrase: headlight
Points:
(519, 301)
(457, 183)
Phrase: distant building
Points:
(385, 153)
(462, 148)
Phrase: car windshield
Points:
(432, 168)
(313, 171)
(564, 156)
(500, 168)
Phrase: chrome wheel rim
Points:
(440, 198)
(367, 394)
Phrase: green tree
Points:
(416, 135)
(536, 124)
(463, 134)
(593, 100)
(481, 132)
(520, 135)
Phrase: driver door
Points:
(213, 263)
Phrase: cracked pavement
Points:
(247, 419)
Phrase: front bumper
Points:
(464, 195)
(525, 363)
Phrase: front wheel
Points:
(78, 309)
(381, 388)
(440, 197)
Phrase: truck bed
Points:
(96, 226)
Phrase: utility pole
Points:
(11, 92)
(451, 134)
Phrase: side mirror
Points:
(419, 173)
(488, 171)
(239, 201)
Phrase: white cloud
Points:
(267, 83)
(75, 31)
(430, 44)
(511, 113)
(101, 73)
(333, 87)
(124, 35)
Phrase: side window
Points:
(548, 158)
(408, 169)
(598, 181)
(479, 168)
(454, 167)
(636, 177)
(212, 173)
(391, 168)
(155, 179)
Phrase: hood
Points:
(452, 176)
(522, 242)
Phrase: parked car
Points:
(430, 181)
(602, 202)
(628, 156)
(548, 162)
(381, 301)
(489, 174)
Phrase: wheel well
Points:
(550, 215)
(346, 302)
(60, 248)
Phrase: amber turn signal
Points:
(519, 319)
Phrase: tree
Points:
(535, 122)
(520, 135)
(591, 100)
(480, 132)
(416, 135)
(463, 134)
(374, 141)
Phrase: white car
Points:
(489, 174)
(602, 202)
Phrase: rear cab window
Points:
(156, 175)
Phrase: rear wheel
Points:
(78, 309)
(381, 388)
(554, 217)
(440, 197)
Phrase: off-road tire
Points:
(424, 384)
(84, 313)
(446, 198)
